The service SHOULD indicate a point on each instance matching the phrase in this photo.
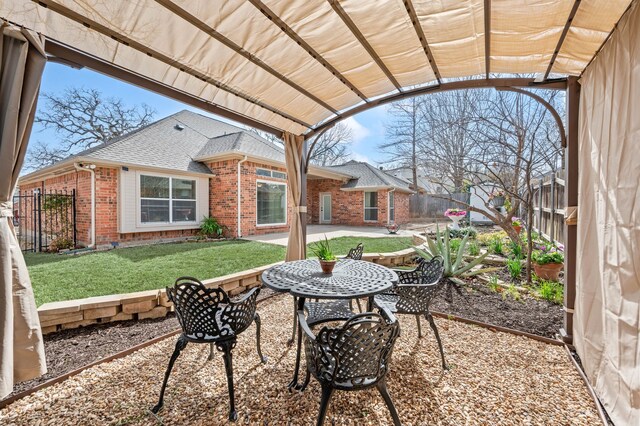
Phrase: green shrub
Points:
(516, 250)
(497, 246)
(462, 232)
(551, 291)
(493, 284)
(473, 249)
(455, 245)
(60, 243)
(486, 238)
(515, 268)
(546, 255)
(211, 228)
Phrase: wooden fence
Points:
(548, 207)
(432, 206)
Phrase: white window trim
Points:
(286, 204)
(271, 173)
(171, 223)
(365, 208)
(390, 195)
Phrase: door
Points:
(325, 208)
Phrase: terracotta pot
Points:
(327, 266)
(549, 271)
(517, 229)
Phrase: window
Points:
(167, 200)
(392, 207)
(371, 206)
(272, 203)
(271, 173)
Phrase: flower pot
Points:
(456, 220)
(498, 201)
(327, 266)
(548, 271)
(517, 228)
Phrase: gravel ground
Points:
(496, 378)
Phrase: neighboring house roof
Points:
(424, 183)
(367, 176)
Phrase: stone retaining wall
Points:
(155, 304)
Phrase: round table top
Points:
(350, 279)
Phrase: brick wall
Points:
(348, 206)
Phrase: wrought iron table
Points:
(351, 279)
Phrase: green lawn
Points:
(62, 277)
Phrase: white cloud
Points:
(358, 131)
(359, 157)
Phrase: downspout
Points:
(394, 206)
(90, 168)
(239, 189)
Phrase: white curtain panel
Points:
(22, 63)
(607, 308)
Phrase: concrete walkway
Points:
(317, 233)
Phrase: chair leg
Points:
(180, 345)
(419, 326)
(327, 391)
(295, 321)
(256, 318)
(382, 387)
(432, 323)
(226, 347)
(307, 379)
(210, 352)
(359, 305)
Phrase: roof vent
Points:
(178, 127)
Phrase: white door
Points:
(325, 208)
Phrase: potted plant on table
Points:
(548, 262)
(326, 257)
(456, 215)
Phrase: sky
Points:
(367, 127)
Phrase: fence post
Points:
(553, 209)
(73, 214)
(540, 186)
(39, 227)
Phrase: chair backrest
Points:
(199, 309)
(356, 253)
(356, 354)
(431, 270)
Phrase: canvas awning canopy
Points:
(293, 65)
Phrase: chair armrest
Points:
(304, 326)
(242, 299)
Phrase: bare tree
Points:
(331, 148)
(404, 134)
(83, 118)
(516, 141)
(447, 121)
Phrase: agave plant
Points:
(454, 264)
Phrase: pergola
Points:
(295, 68)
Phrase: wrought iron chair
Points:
(334, 310)
(208, 315)
(413, 294)
(352, 357)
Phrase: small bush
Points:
(515, 268)
(60, 243)
(211, 228)
(462, 232)
(486, 239)
(455, 245)
(497, 246)
(473, 248)
(551, 291)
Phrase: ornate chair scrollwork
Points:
(209, 315)
(334, 310)
(352, 357)
(413, 294)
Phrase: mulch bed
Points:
(68, 350)
(479, 303)
(496, 378)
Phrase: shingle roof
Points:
(369, 177)
(243, 143)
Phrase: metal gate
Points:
(45, 221)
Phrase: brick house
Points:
(158, 182)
